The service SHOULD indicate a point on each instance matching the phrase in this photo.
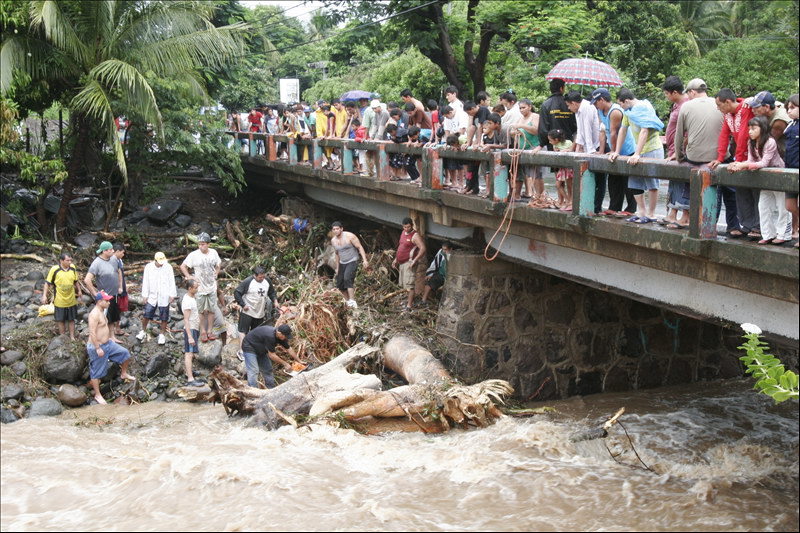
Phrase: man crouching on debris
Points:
(259, 348)
(348, 248)
(102, 348)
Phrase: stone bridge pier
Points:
(559, 338)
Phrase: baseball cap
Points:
(285, 330)
(160, 258)
(204, 237)
(600, 93)
(696, 85)
(762, 98)
(375, 103)
(102, 296)
(320, 102)
(105, 245)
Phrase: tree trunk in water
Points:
(432, 401)
(76, 165)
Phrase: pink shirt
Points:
(769, 158)
(672, 125)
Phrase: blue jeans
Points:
(255, 363)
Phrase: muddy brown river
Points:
(724, 459)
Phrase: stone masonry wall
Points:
(500, 320)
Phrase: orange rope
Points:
(509, 214)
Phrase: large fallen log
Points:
(432, 401)
(294, 396)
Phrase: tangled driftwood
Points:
(335, 392)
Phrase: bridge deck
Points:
(697, 272)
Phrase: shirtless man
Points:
(348, 248)
(102, 348)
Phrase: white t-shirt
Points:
(459, 121)
(256, 298)
(204, 268)
(190, 304)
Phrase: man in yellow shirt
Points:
(64, 278)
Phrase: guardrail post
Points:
(499, 176)
(583, 189)
(252, 146)
(431, 169)
(703, 211)
(292, 149)
(384, 172)
(316, 161)
(272, 148)
(347, 159)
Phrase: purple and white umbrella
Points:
(585, 71)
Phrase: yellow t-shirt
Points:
(64, 282)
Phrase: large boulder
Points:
(63, 363)
(45, 407)
(7, 416)
(163, 210)
(12, 391)
(85, 240)
(210, 353)
(19, 368)
(10, 357)
(157, 366)
(71, 395)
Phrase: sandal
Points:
(765, 241)
(204, 337)
(735, 234)
(212, 337)
(634, 218)
(754, 235)
(675, 225)
(643, 220)
(778, 242)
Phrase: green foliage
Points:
(39, 174)
(771, 377)
(644, 39)
(387, 75)
(748, 66)
(560, 29)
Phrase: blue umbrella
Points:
(355, 95)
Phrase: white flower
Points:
(751, 328)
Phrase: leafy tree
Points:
(705, 22)
(742, 65)
(102, 51)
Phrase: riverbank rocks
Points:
(158, 365)
(85, 240)
(71, 396)
(163, 210)
(45, 407)
(12, 391)
(33, 275)
(63, 362)
(7, 416)
(19, 368)
(210, 353)
(10, 357)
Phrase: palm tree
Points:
(105, 50)
(705, 21)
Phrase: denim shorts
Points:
(150, 312)
(642, 183)
(191, 348)
(98, 366)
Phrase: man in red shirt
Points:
(410, 249)
(736, 113)
(255, 118)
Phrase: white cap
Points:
(375, 103)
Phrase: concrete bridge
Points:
(696, 273)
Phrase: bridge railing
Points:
(703, 181)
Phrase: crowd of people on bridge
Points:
(702, 131)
